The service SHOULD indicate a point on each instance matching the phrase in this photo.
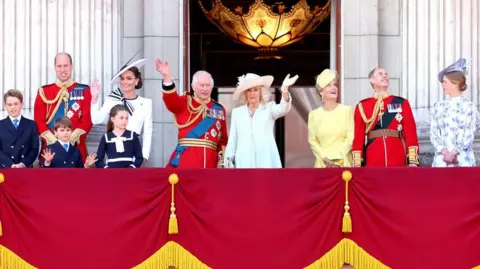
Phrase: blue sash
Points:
(77, 92)
(200, 129)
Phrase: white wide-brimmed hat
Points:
(128, 65)
(249, 81)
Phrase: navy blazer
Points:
(19, 145)
(63, 159)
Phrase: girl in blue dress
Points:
(119, 147)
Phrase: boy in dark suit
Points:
(62, 154)
(19, 142)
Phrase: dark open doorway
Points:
(211, 50)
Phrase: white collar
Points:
(64, 143)
(17, 118)
(456, 98)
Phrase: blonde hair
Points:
(263, 96)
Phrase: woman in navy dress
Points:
(119, 147)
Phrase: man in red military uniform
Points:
(201, 122)
(385, 130)
(65, 98)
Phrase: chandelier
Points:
(266, 27)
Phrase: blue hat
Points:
(460, 66)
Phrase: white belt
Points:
(120, 160)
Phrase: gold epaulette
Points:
(49, 137)
(75, 136)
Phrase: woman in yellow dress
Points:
(330, 127)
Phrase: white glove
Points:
(288, 81)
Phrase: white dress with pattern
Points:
(453, 126)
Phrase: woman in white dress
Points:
(139, 108)
(453, 121)
(251, 143)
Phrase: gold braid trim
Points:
(169, 91)
(49, 137)
(172, 254)
(201, 110)
(413, 155)
(62, 95)
(10, 260)
(357, 158)
(347, 252)
(377, 110)
(75, 136)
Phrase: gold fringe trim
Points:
(171, 254)
(347, 252)
(334, 258)
(9, 260)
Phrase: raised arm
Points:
(280, 110)
(172, 100)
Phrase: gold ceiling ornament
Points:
(266, 27)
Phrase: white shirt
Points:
(17, 118)
(63, 144)
(141, 122)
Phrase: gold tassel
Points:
(347, 219)
(173, 222)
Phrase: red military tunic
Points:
(73, 101)
(202, 131)
(385, 133)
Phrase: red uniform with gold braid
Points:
(385, 133)
(70, 100)
(202, 131)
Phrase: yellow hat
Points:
(326, 77)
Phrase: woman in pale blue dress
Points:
(453, 121)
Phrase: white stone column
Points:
(361, 34)
(435, 34)
(161, 39)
